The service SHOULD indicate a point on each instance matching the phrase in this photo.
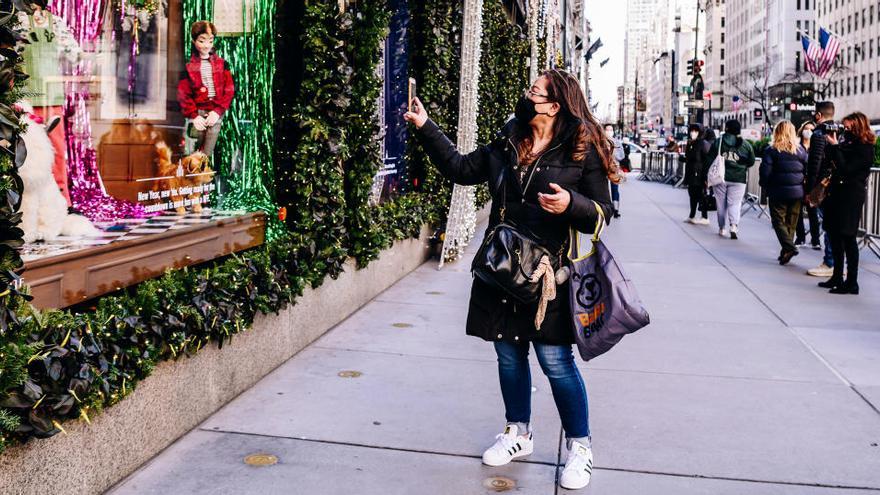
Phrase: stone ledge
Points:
(180, 394)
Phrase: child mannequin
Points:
(207, 89)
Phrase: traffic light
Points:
(694, 67)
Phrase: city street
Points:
(750, 380)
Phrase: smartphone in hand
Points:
(412, 95)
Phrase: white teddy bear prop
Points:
(44, 213)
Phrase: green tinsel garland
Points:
(248, 125)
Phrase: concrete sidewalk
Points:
(750, 379)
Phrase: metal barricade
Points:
(870, 225)
(754, 197)
(679, 170)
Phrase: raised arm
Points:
(466, 169)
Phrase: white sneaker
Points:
(578, 468)
(702, 221)
(822, 270)
(722, 232)
(508, 446)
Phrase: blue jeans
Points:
(828, 259)
(557, 362)
(615, 192)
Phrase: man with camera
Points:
(825, 125)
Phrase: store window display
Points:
(206, 90)
(50, 45)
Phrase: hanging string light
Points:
(461, 220)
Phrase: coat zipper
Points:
(534, 168)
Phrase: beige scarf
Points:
(548, 288)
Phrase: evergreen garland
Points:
(311, 124)
(435, 51)
(365, 234)
(14, 350)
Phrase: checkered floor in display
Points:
(123, 230)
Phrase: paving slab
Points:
(764, 352)
(853, 353)
(411, 402)
(210, 462)
(736, 428)
(403, 328)
(628, 483)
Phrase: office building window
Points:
(797, 33)
(799, 4)
(722, 69)
(871, 83)
(863, 83)
(797, 62)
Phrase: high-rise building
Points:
(638, 19)
(674, 28)
(746, 35)
(854, 85)
(715, 54)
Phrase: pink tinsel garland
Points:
(87, 193)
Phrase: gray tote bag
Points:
(604, 303)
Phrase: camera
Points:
(831, 127)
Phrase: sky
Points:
(608, 21)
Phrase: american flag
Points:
(812, 52)
(819, 57)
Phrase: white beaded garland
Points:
(461, 220)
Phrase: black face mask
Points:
(525, 110)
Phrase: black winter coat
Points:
(842, 207)
(696, 169)
(783, 173)
(492, 315)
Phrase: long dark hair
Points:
(564, 89)
(860, 128)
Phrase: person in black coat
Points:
(695, 171)
(816, 160)
(782, 175)
(548, 170)
(849, 165)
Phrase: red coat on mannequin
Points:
(193, 95)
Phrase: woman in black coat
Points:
(782, 172)
(850, 161)
(695, 171)
(553, 163)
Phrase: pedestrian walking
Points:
(738, 158)
(619, 156)
(783, 169)
(850, 158)
(815, 162)
(805, 133)
(695, 169)
(554, 163)
(626, 163)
